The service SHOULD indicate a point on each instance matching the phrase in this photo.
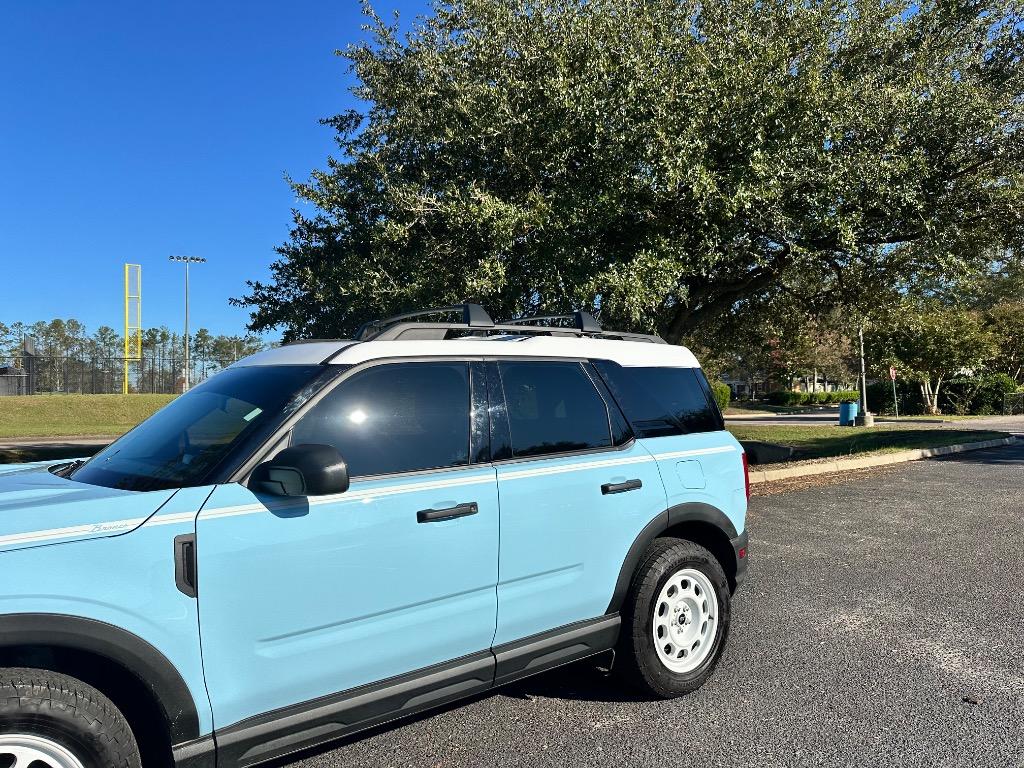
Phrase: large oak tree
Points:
(663, 161)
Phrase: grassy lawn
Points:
(75, 415)
(823, 441)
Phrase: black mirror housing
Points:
(302, 470)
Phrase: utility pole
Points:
(863, 374)
(186, 260)
(865, 418)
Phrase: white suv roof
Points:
(348, 352)
(477, 335)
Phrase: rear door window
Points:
(553, 407)
(662, 401)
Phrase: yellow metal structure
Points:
(132, 318)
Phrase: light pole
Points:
(186, 260)
(865, 419)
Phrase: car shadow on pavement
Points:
(586, 680)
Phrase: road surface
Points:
(881, 625)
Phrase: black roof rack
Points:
(583, 321)
(476, 322)
(473, 316)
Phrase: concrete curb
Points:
(842, 465)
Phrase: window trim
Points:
(274, 442)
(469, 420)
(582, 362)
(280, 439)
(702, 384)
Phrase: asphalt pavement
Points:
(881, 626)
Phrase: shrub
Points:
(841, 395)
(786, 397)
(908, 395)
(722, 394)
(989, 399)
(980, 395)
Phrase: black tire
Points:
(637, 661)
(61, 709)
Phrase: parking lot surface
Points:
(881, 625)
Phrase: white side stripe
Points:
(555, 470)
(696, 452)
(359, 494)
(113, 526)
(560, 468)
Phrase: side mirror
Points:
(302, 470)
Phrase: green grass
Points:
(825, 441)
(741, 407)
(943, 417)
(75, 415)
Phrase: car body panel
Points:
(703, 467)
(563, 540)
(124, 580)
(303, 598)
(38, 507)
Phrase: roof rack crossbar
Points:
(473, 316)
(438, 331)
(581, 320)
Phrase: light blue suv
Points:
(333, 534)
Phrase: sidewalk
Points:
(767, 473)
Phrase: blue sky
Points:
(130, 131)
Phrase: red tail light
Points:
(746, 474)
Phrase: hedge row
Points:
(785, 397)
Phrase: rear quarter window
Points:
(553, 407)
(662, 401)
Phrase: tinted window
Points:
(395, 418)
(553, 407)
(662, 401)
(181, 444)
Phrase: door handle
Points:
(628, 485)
(449, 513)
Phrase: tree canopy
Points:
(663, 161)
(929, 342)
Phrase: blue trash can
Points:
(848, 413)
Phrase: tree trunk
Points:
(926, 395)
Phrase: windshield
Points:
(182, 443)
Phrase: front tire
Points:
(675, 619)
(52, 720)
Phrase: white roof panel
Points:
(626, 353)
(309, 353)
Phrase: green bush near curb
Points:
(722, 394)
(786, 397)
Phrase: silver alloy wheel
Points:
(36, 751)
(685, 620)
